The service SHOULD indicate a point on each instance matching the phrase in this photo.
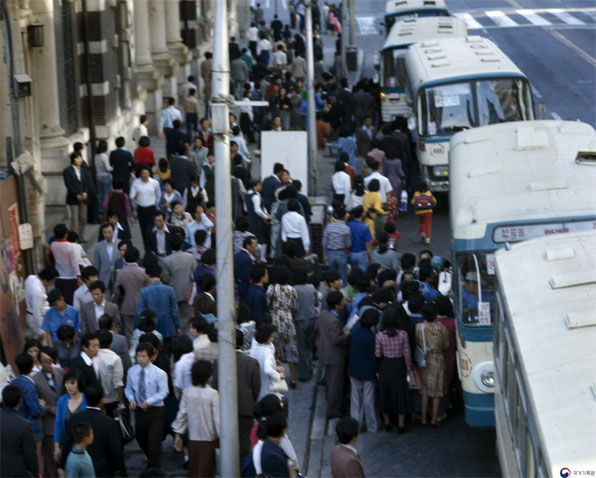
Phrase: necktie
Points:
(51, 383)
(142, 391)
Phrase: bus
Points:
(510, 182)
(393, 74)
(399, 9)
(545, 356)
(458, 84)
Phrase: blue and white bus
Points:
(457, 84)
(392, 69)
(509, 182)
(400, 9)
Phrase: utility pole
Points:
(224, 272)
(344, 29)
(310, 96)
(352, 22)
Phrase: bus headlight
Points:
(440, 171)
(483, 375)
(382, 95)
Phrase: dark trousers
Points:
(305, 336)
(244, 427)
(67, 287)
(192, 125)
(334, 377)
(109, 408)
(47, 452)
(145, 223)
(252, 46)
(148, 431)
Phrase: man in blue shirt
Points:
(161, 299)
(31, 408)
(362, 240)
(256, 297)
(59, 313)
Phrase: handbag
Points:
(280, 386)
(420, 354)
(122, 418)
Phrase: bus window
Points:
(477, 279)
(448, 109)
(394, 68)
(502, 100)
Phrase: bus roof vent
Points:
(474, 39)
(581, 318)
(431, 44)
(490, 60)
(436, 64)
(401, 3)
(587, 158)
(404, 32)
(537, 186)
(437, 56)
(559, 281)
(558, 253)
(430, 3)
(409, 20)
(529, 138)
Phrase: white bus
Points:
(545, 356)
(398, 9)
(509, 182)
(393, 74)
(457, 84)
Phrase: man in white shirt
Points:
(111, 373)
(168, 115)
(140, 130)
(293, 226)
(198, 331)
(386, 187)
(201, 221)
(341, 183)
(280, 60)
(146, 193)
(252, 35)
(36, 299)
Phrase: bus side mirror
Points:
(542, 110)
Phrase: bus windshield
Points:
(447, 109)
(476, 272)
(393, 68)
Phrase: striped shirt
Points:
(337, 236)
(393, 347)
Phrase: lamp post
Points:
(310, 96)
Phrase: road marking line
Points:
(536, 92)
(574, 47)
(267, 4)
(472, 23)
(533, 17)
(284, 4)
(500, 18)
(366, 25)
(566, 17)
(556, 116)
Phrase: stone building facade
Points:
(127, 54)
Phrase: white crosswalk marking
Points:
(284, 4)
(500, 18)
(566, 17)
(367, 25)
(556, 116)
(470, 20)
(534, 17)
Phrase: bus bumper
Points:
(434, 185)
(479, 409)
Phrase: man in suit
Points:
(17, 445)
(249, 386)
(78, 183)
(160, 236)
(182, 169)
(364, 105)
(345, 101)
(49, 383)
(256, 297)
(127, 288)
(175, 137)
(345, 461)
(119, 344)
(332, 346)
(92, 311)
(85, 361)
(106, 254)
(178, 272)
(243, 261)
(271, 184)
(106, 451)
(122, 162)
(120, 232)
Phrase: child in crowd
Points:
(424, 202)
(164, 172)
(146, 325)
(78, 463)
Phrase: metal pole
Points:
(344, 30)
(352, 22)
(310, 96)
(224, 272)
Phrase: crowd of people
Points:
(128, 334)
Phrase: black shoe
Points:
(402, 430)
(292, 384)
(387, 426)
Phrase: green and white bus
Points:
(400, 9)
